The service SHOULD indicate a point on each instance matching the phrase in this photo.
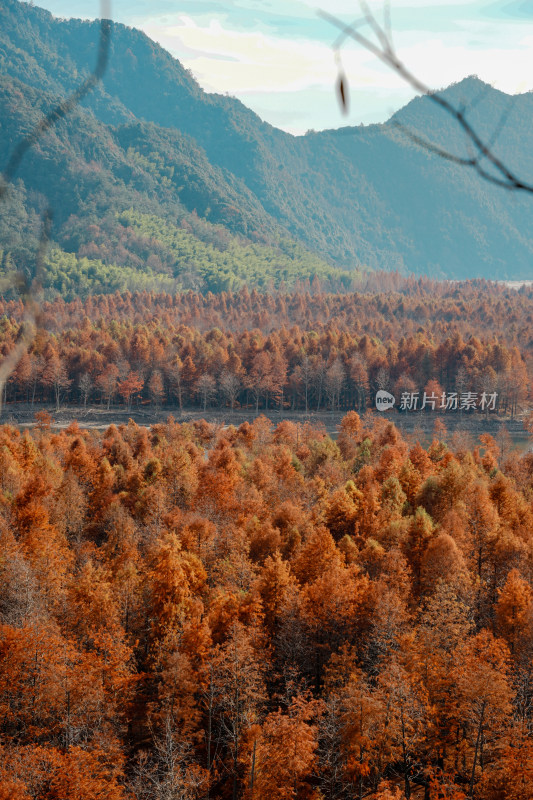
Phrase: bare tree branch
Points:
(483, 158)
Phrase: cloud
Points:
(504, 64)
(234, 61)
(277, 58)
(227, 60)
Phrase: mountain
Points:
(154, 179)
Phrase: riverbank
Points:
(417, 424)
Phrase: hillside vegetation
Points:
(150, 139)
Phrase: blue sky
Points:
(276, 56)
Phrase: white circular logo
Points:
(384, 400)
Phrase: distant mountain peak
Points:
(469, 83)
(461, 92)
(471, 90)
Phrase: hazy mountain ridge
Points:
(149, 137)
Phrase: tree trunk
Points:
(474, 763)
(209, 730)
(407, 789)
(252, 776)
(67, 725)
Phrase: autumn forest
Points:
(194, 611)
(279, 351)
(204, 610)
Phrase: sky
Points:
(276, 56)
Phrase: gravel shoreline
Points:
(418, 423)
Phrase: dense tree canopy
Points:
(301, 350)
(195, 611)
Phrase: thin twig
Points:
(502, 122)
(501, 175)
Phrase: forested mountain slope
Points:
(151, 139)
